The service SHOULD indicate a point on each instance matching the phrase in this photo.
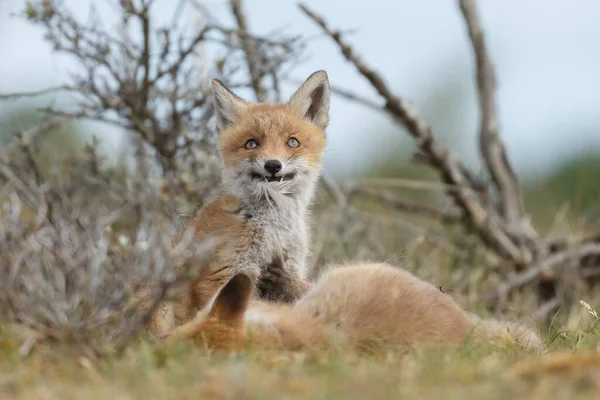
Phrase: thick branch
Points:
(491, 146)
(545, 309)
(251, 50)
(548, 264)
(487, 226)
(144, 17)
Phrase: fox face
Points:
(273, 150)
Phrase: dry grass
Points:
(571, 370)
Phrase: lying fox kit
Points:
(349, 306)
(271, 157)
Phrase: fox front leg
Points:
(281, 281)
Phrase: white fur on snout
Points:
(299, 189)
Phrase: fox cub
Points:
(271, 157)
(351, 306)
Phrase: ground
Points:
(569, 370)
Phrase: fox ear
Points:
(311, 100)
(232, 301)
(228, 105)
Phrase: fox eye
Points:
(251, 144)
(293, 142)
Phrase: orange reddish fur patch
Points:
(354, 306)
(272, 125)
(291, 330)
(218, 218)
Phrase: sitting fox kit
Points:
(271, 157)
(349, 306)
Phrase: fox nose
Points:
(273, 166)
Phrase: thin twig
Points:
(252, 51)
(407, 206)
(407, 184)
(284, 44)
(37, 93)
(356, 98)
(407, 226)
(333, 189)
(31, 135)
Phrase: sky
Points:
(546, 52)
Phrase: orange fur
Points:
(216, 219)
(349, 306)
(271, 125)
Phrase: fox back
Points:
(349, 306)
(385, 303)
(380, 303)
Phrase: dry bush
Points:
(78, 247)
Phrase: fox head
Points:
(273, 151)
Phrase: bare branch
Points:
(405, 205)
(285, 44)
(408, 184)
(349, 96)
(546, 309)
(252, 51)
(487, 225)
(491, 146)
(333, 189)
(81, 230)
(591, 272)
(37, 93)
(356, 98)
(548, 264)
(30, 136)
(414, 229)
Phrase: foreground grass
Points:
(570, 370)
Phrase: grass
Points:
(569, 370)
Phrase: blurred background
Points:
(546, 54)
